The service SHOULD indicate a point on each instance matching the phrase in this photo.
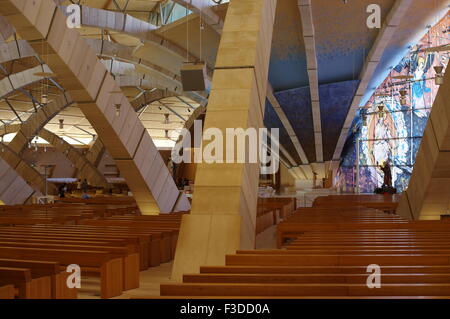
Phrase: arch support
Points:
(96, 93)
(84, 168)
(14, 189)
(428, 193)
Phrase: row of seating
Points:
(332, 262)
(270, 211)
(105, 238)
(386, 203)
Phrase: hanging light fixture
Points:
(44, 99)
(439, 79)
(166, 133)
(3, 147)
(166, 118)
(35, 143)
(61, 124)
(117, 106)
(403, 99)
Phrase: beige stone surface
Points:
(224, 206)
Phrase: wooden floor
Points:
(151, 278)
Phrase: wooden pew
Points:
(59, 289)
(109, 265)
(7, 292)
(28, 288)
(328, 256)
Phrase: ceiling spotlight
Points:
(44, 99)
(439, 79)
(159, 107)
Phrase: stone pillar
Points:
(428, 193)
(223, 213)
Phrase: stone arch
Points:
(90, 85)
(11, 154)
(14, 189)
(84, 167)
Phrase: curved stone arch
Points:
(14, 50)
(96, 151)
(17, 49)
(84, 168)
(12, 153)
(6, 29)
(118, 51)
(15, 81)
(144, 31)
(107, 49)
(90, 85)
(124, 23)
(27, 173)
(14, 189)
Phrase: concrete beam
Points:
(287, 125)
(305, 8)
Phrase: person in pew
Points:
(84, 186)
(85, 196)
(62, 190)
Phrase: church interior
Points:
(176, 149)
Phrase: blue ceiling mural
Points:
(271, 120)
(335, 100)
(297, 103)
(343, 42)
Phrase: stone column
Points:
(223, 213)
(428, 193)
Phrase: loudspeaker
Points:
(193, 77)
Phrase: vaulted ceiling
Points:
(325, 63)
